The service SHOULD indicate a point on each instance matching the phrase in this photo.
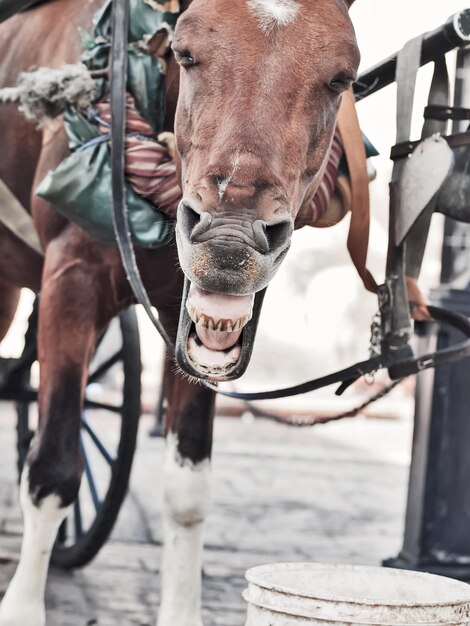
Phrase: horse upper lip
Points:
(219, 311)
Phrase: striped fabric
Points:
(315, 209)
(150, 167)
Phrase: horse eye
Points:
(185, 58)
(340, 82)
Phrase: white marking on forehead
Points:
(272, 13)
(223, 184)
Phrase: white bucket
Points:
(304, 594)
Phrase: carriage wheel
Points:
(108, 436)
(108, 440)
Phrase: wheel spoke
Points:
(104, 367)
(62, 534)
(97, 441)
(114, 408)
(77, 518)
(89, 476)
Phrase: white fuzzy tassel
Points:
(45, 93)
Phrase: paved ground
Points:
(334, 493)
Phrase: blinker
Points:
(423, 174)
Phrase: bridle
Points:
(396, 364)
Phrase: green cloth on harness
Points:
(80, 187)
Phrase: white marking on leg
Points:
(23, 603)
(186, 501)
(272, 13)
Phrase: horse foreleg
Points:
(186, 499)
(9, 298)
(52, 472)
(23, 603)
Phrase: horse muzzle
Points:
(227, 262)
(210, 343)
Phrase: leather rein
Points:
(401, 367)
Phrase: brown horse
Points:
(260, 86)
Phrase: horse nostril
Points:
(205, 220)
(278, 235)
(192, 223)
(259, 234)
(187, 218)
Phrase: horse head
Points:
(260, 87)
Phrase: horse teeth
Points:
(241, 323)
(226, 326)
(222, 325)
(192, 313)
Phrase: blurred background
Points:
(335, 493)
(317, 315)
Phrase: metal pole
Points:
(437, 537)
(453, 34)
(456, 244)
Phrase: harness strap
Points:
(393, 299)
(120, 28)
(408, 62)
(17, 219)
(401, 150)
(350, 128)
(358, 237)
(443, 112)
(418, 234)
(401, 369)
(8, 8)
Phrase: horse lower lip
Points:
(212, 362)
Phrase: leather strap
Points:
(359, 231)
(120, 28)
(401, 150)
(418, 235)
(8, 8)
(408, 62)
(17, 219)
(353, 143)
(402, 368)
(442, 112)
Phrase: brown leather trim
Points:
(401, 150)
(358, 237)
